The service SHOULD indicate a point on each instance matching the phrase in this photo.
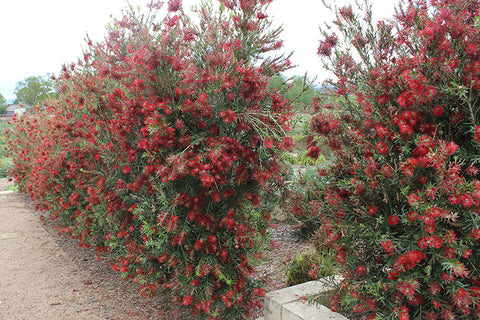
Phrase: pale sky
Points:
(38, 36)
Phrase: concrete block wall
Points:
(290, 303)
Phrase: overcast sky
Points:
(38, 36)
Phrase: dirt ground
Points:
(43, 276)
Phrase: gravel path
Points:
(43, 276)
(38, 281)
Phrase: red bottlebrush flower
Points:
(347, 13)
(431, 192)
(187, 300)
(215, 196)
(451, 148)
(195, 282)
(450, 253)
(138, 83)
(382, 132)
(393, 275)
(460, 270)
(438, 111)
(223, 255)
(199, 244)
(393, 220)
(126, 169)
(207, 180)
(259, 292)
(179, 124)
(325, 47)
(174, 5)
(467, 253)
(386, 171)
(173, 262)
(261, 15)
(384, 98)
(361, 270)
(432, 241)
(387, 246)
(471, 170)
(402, 313)
(268, 142)
(382, 148)
(412, 216)
(434, 288)
(476, 133)
(414, 199)
(227, 298)
(422, 180)
(406, 99)
(409, 260)
(212, 238)
(467, 201)
(372, 210)
(471, 49)
(229, 222)
(313, 152)
(163, 258)
(462, 298)
(230, 96)
(408, 288)
(228, 116)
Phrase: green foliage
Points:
(299, 268)
(315, 264)
(12, 187)
(3, 104)
(306, 186)
(5, 163)
(299, 90)
(33, 91)
(302, 159)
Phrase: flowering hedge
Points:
(158, 147)
(403, 202)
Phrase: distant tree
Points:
(298, 89)
(3, 104)
(34, 90)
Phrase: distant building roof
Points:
(11, 109)
(15, 109)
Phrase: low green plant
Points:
(315, 264)
(5, 165)
(299, 267)
(302, 159)
(12, 187)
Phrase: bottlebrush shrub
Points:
(403, 200)
(159, 148)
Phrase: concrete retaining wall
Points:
(291, 304)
